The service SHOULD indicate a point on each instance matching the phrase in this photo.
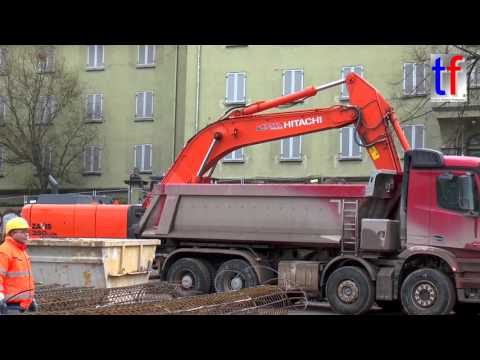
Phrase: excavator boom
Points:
(368, 111)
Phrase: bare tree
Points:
(43, 119)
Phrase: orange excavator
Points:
(368, 111)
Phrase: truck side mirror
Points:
(466, 199)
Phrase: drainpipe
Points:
(175, 106)
(199, 57)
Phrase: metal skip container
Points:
(100, 263)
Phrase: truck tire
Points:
(428, 292)
(193, 275)
(234, 275)
(350, 291)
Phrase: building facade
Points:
(146, 101)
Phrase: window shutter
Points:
(90, 106)
(356, 149)
(230, 91)
(344, 142)
(149, 104)
(140, 102)
(238, 154)
(343, 88)
(96, 159)
(298, 84)
(91, 55)
(408, 79)
(419, 79)
(239, 88)
(296, 147)
(419, 129)
(98, 106)
(287, 82)
(138, 157)
(147, 160)
(285, 148)
(151, 54)
(141, 54)
(100, 54)
(408, 134)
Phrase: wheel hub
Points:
(236, 283)
(425, 294)
(187, 281)
(347, 291)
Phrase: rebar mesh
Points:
(65, 298)
(164, 299)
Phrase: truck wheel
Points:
(193, 275)
(428, 292)
(234, 275)
(350, 291)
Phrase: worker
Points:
(17, 287)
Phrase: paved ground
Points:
(322, 308)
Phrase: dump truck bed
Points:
(289, 214)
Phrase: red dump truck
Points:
(409, 238)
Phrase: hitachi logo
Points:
(290, 124)
(302, 122)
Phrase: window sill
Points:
(287, 160)
(233, 103)
(350, 159)
(145, 66)
(233, 161)
(143, 119)
(95, 68)
(92, 173)
(146, 172)
(405, 96)
(93, 121)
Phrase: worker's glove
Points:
(3, 305)
(33, 306)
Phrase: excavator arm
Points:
(368, 111)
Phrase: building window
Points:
(415, 79)
(3, 59)
(474, 74)
(92, 160)
(235, 88)
(146, 55)
(473, 146)
(95, 107)
(415, 135)
(357, 69)
(349, 148)
(47, 107)
(234, 156)
(143, 158)
(3, 110)
(46, 60)
(292, 81)
(95, 57)
(144, 105)
(291, 149)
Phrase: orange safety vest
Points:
(16, 275)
